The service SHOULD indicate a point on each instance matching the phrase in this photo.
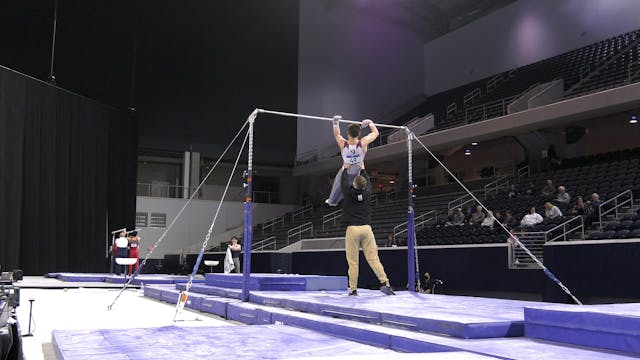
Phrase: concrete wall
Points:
(196, 219)
(522, 33)
(357, 59)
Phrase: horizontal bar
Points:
(325, 118)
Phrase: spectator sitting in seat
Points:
(509, 221)
(548, 190)
(513, 192)
(458, 217)
(477, 217)
(562, 197)
(581, 208)
(551, 211)
(449, 218)
(531, 219)
(488, 220)
(498, 216)
(391, 241)
(531, 190)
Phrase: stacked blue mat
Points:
(615, 327)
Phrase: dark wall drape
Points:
(68, 169)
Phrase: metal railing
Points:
(616, 205)
(331, 217)
(270, 242)
(519, 259)
(523, 171)
(496, 185)
(494, 82)
(296, 232)
(451, 109)
(472, 95)
(301, 212)
(166, 191)
(535, 240)
(374, 200)
(488, 110)
(461, 202)
(390, 194)
(272, 223)
(568, 227)
(418, 222)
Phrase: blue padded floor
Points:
(615, 326)
(150, 279)
(279, 282)
(416, 342)
(240, 342)
(212, 290)
(79, 277)
(458, 316)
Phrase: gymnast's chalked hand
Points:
(366, 123)
(336, 120)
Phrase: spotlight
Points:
(391, 182)
(634, 119)
(467, 152)
(474, 143)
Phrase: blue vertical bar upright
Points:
(246, 266)
(411, 249)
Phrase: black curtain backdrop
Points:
(68, 174)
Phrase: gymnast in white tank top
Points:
(353, 151)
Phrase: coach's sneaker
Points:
(386, 289)
(353, 292)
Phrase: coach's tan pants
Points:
(356, 237)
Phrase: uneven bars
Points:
(325, 118)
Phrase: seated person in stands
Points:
(498, 216)
(531, 219)
(477, 217)
(449, 218)
(580, 208)
(595, 210)
(513, 192)
(391, 241)
(531, 190)
(551, 211)
(548, 190)
(488, 220)
(458, 217)
(509, 221)
(562, 197)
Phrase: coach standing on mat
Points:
(356, 208)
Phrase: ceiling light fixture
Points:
(467, 152)
(474, 143)
(634, 119)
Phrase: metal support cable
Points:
(213, 223)
(511, 236)
(127, 283)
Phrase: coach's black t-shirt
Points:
(356, 205)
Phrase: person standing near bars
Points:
(356, 215)
(353, 150)
(134, 246)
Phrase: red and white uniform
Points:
(134, 244)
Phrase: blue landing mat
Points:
(416, 342)
(238, 342)
(79, 277)
(150, 279)
(458, 316)
(212, 290)
(279, 282)
(615, 327)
